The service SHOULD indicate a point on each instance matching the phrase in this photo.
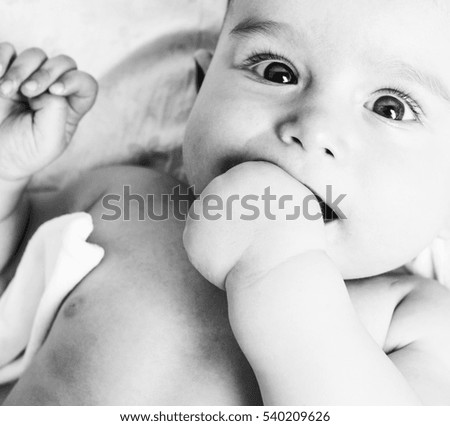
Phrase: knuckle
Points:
(35, 51)
(42, 74)
(88, 77)
(94, 83)
(6, 48)
(68, 60)
(14, 73)
(90, 80)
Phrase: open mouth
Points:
(328, 214)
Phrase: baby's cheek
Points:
(195, 163)
(202, 151)
(397, 230)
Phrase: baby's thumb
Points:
(49, 121)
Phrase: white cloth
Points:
(433, 262)
(55, 260)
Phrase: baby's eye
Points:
(395, 106)
(392, 108)
(276, 72)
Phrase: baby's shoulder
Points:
(127, 205)
(419, 338)
(130, 205)
(120, 184)
(409, 317)
(93, 185)
(398, 309)
(422, 314)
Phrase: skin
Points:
(184, 351)
(327, 129)
(42, 101)
(144, 295)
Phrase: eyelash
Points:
(256, 58)
(412, 103)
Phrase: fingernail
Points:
(7, 87)
(57, 88)
(31, 85)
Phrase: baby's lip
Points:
(328, 214)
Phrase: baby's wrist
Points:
(244, 274)
(11, 193)
(289, 298)
(12, 185)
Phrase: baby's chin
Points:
(353, 267)
(349, 272)
(358, 261)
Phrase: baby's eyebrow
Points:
(430, 82)
(253, 26)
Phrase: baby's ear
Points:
(202, 60)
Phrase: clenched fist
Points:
(42, 100)
(242, 244)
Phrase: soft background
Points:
(141, 53)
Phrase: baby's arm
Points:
(13, 217)
(307, 346)
(41, 103)
(418, 340)
(288, 305)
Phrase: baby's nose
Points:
(318, 134)
(322, 146)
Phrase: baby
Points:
(300, 96)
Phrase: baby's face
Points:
(351, 94)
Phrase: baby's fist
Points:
(42, 101)
(257, 229)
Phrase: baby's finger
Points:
(50, 115)
(7, 54)
(23, 66)
(79, 87)
(47, 74)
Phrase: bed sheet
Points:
(141, 53)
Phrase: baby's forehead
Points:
(397, 28)
(443, 5)
(244, 8)
(388, 41)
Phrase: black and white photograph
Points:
(225, 203)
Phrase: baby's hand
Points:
(236, 249)
(41, 103)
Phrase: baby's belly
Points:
(147, 269)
